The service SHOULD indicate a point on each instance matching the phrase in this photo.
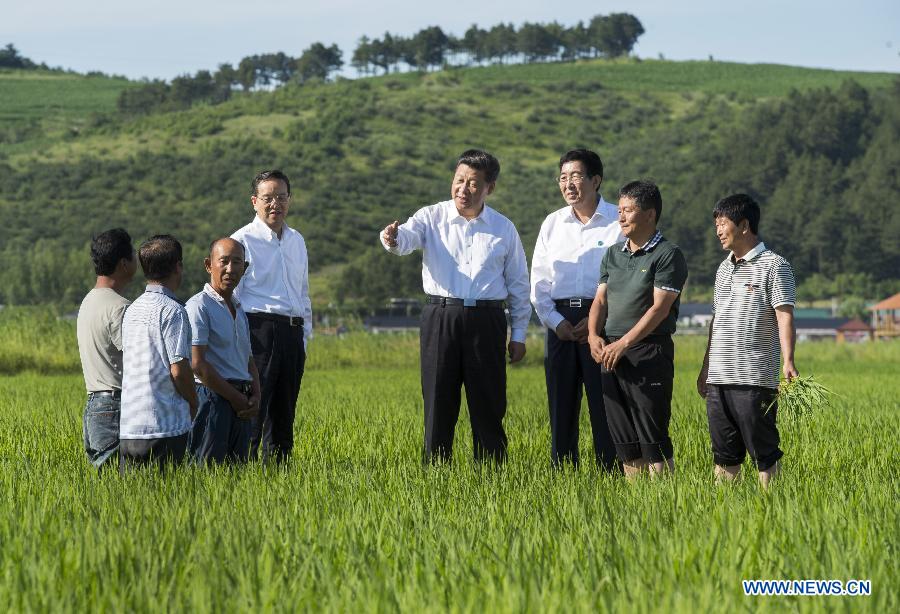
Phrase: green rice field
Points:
(354, 522)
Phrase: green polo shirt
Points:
(630, 279)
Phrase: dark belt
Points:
(116, 394)
(274, 317)
(573, 302)
(465, 302)
(245, 388)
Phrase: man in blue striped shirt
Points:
(158, 397)
(753, 314)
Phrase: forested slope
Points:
(819, 149)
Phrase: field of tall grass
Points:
(355, 523)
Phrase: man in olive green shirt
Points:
(630, 329)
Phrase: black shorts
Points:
(741, 421)
(638, 400)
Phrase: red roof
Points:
(854, 325)
(887, 304)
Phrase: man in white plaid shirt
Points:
(158, 397)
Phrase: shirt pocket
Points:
(489, 253)
(750, 294)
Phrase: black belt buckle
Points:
(295, 320)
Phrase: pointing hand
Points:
(390, 234)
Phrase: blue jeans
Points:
(218, 435)
(100, 428)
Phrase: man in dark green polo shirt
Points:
(630, 325)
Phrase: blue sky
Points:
(165, 38)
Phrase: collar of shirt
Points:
(454, 217)
(160, 289)
(753, 253)
(648, 246)
(264, 232)
(208, 289)
(604, 211)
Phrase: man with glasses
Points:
(275, 295)
(472, 262)
(565, 269)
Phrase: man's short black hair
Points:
(160, 255)
(108, 248)
(645, 195)
(592, 163)
(738, 207)
(481, 161)
(269, 176)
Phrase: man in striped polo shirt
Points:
(158, 397)
(753, 313)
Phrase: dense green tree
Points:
(386, 52)
(474, 42)
(11, 58)
(362, 56)
(318, 62)
(143, 99)
(536, 42)
(246, 73)
(502, 42)
(616, 34)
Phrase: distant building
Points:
(813, 312)
(695, 314)
(886, 318)
(854, 331)
(817, 329)
(400, 315)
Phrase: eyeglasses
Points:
(576, 178)
(279, 198)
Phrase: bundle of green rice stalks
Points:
(801, 396)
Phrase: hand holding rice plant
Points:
(802, 396)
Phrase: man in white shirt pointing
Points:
(565, 269)
(274, 293)
(472, 262)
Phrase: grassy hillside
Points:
(35, 105)
(367, 151)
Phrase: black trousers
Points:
(464, 346)
(742, 420)
(568, 366)
(279, 355)
(638, 399)
(163, 451)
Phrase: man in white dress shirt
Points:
(472, 262)
(274, 293)
(565, 269)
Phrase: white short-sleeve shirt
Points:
(156, 333)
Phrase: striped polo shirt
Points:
(156, 333)
(744, 349)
